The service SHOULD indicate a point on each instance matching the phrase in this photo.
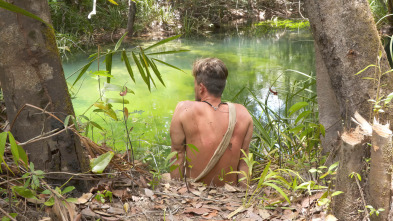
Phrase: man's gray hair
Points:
(212, 73)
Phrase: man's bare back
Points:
(204, 123)
(199, 124)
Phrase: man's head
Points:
(210, 73)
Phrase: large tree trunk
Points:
(390, 11)
(347, 39)
(131, 19)
(31, 72)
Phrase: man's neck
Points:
(215, 101)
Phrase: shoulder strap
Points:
(224, 143)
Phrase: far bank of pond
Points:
(257, 63)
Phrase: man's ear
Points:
(202, 88)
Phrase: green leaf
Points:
(67, 189)
(142, 58)
(169, 65)
(334, 165)
(163, 42)
(313, 170)
(50, 202)
(371, 65)
(72, 200)
(102, 73)
(5, 218)
(156, 71)
(388, 98)
(263, 175)
(22, 155)
(66, 120)
(116, 100)
(337, 193)
(83, 71)
(171, 155)
(141, 71)
(14, 148)
(359, 177)
(99, 164)
(46, 192)
(24, 192)
(169, 52)
(3, 140)
(303, 115)
(297, 107)
(193, 148)
(279, 190)
(113, 2)
(13, 8)
(120, 41)
(128, 66)
(108, 65)
(96, 125)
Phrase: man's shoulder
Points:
(242, 111)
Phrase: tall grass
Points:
(289, 132)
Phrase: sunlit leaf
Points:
(99, 164)
(83, 71)
(113, 2)
(50, 202)
(120, 41)
(102, 73)
(169, 52)
(171, 155)
(96, 125)
(163, 42)
(169, 65)
(193, 148)
(156, 71)
(371, 65)
(128, 66)
(113, 87)
(141, 71)
(388, 98)
(337, 193)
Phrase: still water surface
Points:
(253, 62)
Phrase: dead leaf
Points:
(212, 191)
(238, 210)
(201, 189)
(182, 190)
(198, 211)
(88, 213)
(121, 193)
(166, 177)
(195, 192)
(330, 218)
(264, 213)
(114, 210)
(84, 198)
(306, 202)
(210, 215)
(149, 193)
(229, 188)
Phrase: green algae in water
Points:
(254, 63)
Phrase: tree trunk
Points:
(348, 41)
(31, 72)
(347, 204)
(329, 111)
(380, 178)
(390, 11)
(131, 18)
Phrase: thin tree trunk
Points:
(131, 19)
(380, 178)
(31, 72)
(390, 11)
(347, 204)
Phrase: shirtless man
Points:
(204, 122)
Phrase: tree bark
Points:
(348, 41)
(347, 204)
(380, 178)
(31, 72)
(329, 111)
(390, 11)
(131, 19)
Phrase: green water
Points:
(255, 63)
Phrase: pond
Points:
(256, 63)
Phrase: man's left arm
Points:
(178, 139)
(245, 146)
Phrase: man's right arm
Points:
(178, 139)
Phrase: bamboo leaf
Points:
(113, 2)
(143, 59)
(156, 71)
(84, 69)
(14, 8)
(96, 125)
(141, 71)
(297, 107)
(263, 175)
(388, 98)
(120, 41)
(303, 115)
(169, 65)
(102, 73)
(128, 66)
(99, 164)
(279, 190)
(371, 65)
(163, 42)
(108, 65)
(23, 155)
(14, 148)
(169, 52)
(193, 148)
(3, 140)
